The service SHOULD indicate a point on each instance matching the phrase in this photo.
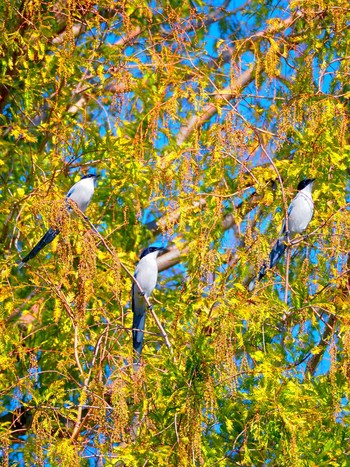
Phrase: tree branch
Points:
(210, 109)
(231, 91)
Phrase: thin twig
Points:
(81, 422)
(76, 348)
(287, 275)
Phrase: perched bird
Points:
(300, 213)
(81, 193)
(146, 274)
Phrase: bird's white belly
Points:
(82, 199)
(300, 215)
(147, 282)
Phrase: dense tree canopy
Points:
(201, 118)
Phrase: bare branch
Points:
(210, 109)
(159, 225)
(233, 90)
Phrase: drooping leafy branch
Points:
(201, 118)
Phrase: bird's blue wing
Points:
(290, 209)
(68, 195)
(70, 192)
(139, 319)
(262, 271)
(277, 252)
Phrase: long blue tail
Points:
(45, 240)
(275, 254)
(137, 336)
